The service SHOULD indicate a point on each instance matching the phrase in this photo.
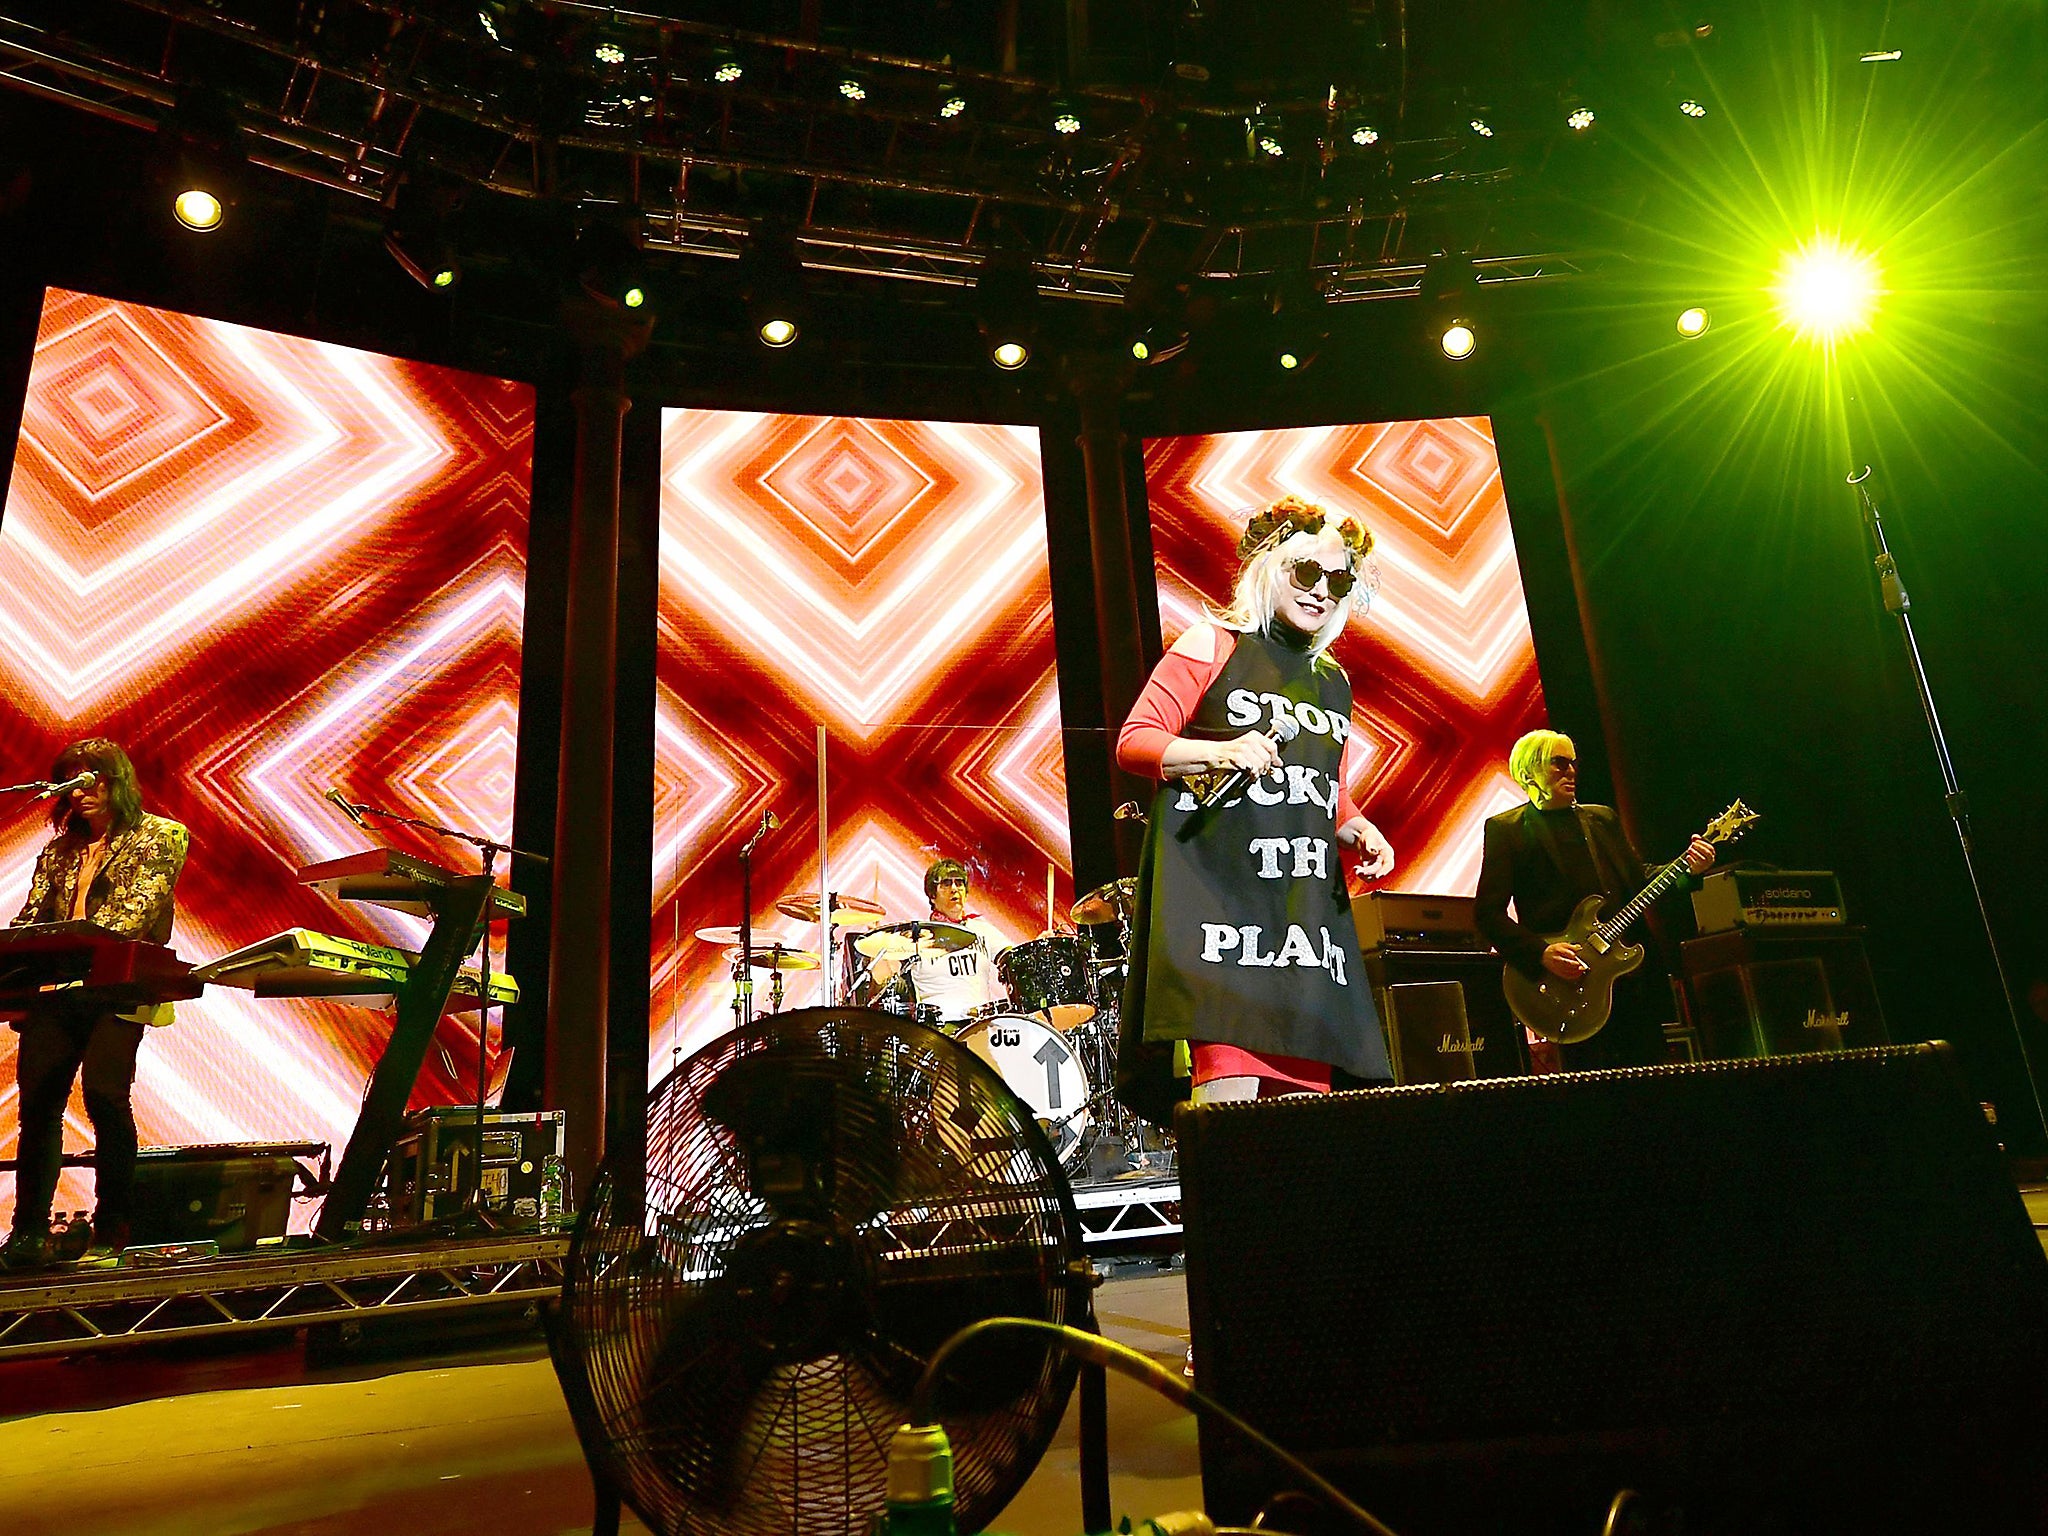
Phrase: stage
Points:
(167, 1441)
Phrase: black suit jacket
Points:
(1517, 863)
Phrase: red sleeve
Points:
(1346, 806)
(1171, 694)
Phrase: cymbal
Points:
(773, 959)
(1111, 903)
(847, 911)
(728, 935)
(930, 937)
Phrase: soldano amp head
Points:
(1768, 898)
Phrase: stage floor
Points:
(151, 1444)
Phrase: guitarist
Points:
(1547, 856)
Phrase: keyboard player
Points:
(113, 864)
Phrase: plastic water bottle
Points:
(553, 1176)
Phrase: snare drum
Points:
(1053, 977)
(1044, 1070)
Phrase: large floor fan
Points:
(828, 1195)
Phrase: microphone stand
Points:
(490, 848)
(1954, 800)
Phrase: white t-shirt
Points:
(962, 981)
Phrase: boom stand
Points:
(1957, 803)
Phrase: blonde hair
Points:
(1296, 527)
(1529, 754)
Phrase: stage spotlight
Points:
(611, 55)
(1289, 360)
(1458, 340)
(1141, 350)
(1692, 108)
(1364, 135)
(198, 209)
(1264, 135)
(773, 286)
(416, 232)
(726, 68)
(952, 102)
(197, 159)
(852, 87)
(1693, 322)
(1883, 56)
(1159, 343)
(1482, 127)
(1066, 117)
(1006, 307)
(1826, 290)
(1579, 119)
(608, 263)
(1010, 354)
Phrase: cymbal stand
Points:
(744, 980)
(489, 848)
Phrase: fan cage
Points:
(908, 1190)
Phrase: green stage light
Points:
(1693, 322)
(1290, 361)
(198, 209)
(1458, 341)
(1826, 290)
(1141, 350)
(633, 298)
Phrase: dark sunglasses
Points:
(1306, 573)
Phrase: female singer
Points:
(1243, 946)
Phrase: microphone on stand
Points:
(1283, 730)
(769, 822)
(85, 779)
(341, 802)
(1130, 810)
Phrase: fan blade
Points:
(696, 1394)
(921, 1299)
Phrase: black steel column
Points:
(579, 956)
(1098, 390)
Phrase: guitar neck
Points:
(1666, 880)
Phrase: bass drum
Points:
(1042, 1067)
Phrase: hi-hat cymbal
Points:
(1111, 903)
(776, 958)
(728, 935)
(847, 911)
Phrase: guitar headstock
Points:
(1731, 824)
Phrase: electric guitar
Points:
(1567, 1012)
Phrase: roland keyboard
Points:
(301, 962)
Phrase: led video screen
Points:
(887, 580)
(265, 566)
(1442, 663)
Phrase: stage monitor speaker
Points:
(1798, 1294)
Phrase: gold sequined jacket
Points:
(132, 894)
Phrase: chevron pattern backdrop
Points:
(1443, 668)
(264, 565)
(887, 580)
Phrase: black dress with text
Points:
(1243, 933)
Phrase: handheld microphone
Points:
(340, 802)
(1284, 729)
(85, 779)
(1130, 810)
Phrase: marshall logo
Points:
(1815, 1019)
(1451, 1046)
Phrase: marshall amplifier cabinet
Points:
(430, 1168)
(1493, 1044)
(1768, 898)
(1751, 992)
(1428, 1040)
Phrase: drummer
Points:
(959, 981)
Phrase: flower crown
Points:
(1279, 521)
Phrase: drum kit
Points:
(1052, 1038)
